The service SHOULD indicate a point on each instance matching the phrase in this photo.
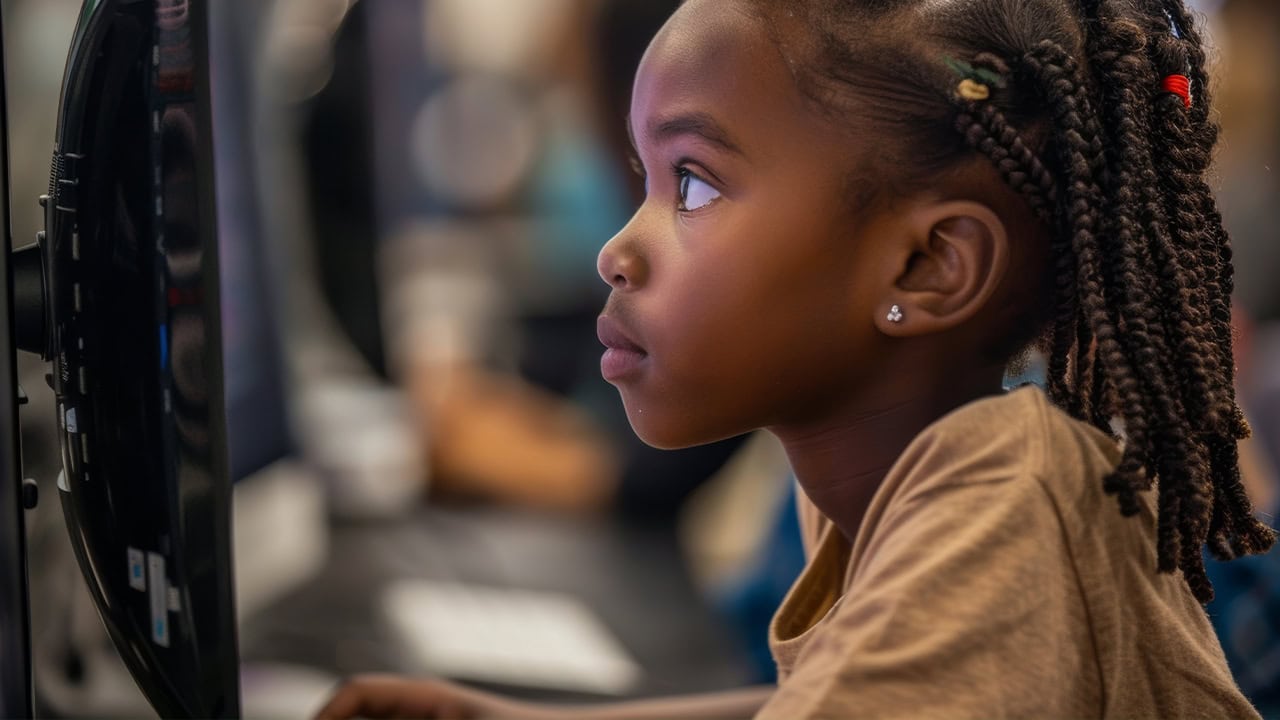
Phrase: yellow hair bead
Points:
(969, 89)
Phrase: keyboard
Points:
(508, 636)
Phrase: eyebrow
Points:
(698, 124)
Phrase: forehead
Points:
(715, 57)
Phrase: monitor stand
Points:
(16, 494)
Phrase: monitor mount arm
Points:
(31, 306)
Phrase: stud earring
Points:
(895, 314)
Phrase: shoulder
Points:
(961, 572)
(986, 480)
(1017, 435)
(1009, 472)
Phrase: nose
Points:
(620, 263)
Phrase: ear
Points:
(953, 258)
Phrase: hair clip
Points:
(1179, 85)
(972, 90)
(975, 82)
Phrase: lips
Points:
(622, 355)
(614, 337)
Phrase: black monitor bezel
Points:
(114, 47)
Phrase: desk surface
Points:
(633, 577)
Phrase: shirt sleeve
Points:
(966, 604)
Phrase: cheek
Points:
(733, 355)
(702, 351)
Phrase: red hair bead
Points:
(1179, 85)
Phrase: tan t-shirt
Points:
(992, 577)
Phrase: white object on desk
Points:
(280, 533)
(508, 636)
(277, 691)
(360, 434)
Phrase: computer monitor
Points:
(131, 323)
(15, 641)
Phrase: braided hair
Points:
(1068, 99)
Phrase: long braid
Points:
(1087, 381)
(1063, 334)
(1240, 532)
(989, 132)
(1151, 332)
(1190, 136)
(1127, 278)
(1120, 72)
(1208, 388)
(1080, 155)
(1187, 137)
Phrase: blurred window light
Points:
(493, 35)
(475, 140)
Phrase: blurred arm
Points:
(387, 696)
(502, 439)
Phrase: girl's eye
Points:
(695, 193)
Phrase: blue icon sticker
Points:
(137, 572)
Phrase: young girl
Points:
(858, 213)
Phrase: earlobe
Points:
(954, 258)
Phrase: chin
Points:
(654, 430)
(668, 433)
(662, 441)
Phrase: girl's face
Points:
(743, 295)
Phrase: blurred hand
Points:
(505, 440)
(392, 696)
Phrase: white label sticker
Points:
(137, 570)
(158, 593)
(175, 599)
(70, 421)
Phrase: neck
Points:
(841, 460)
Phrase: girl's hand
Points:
(393, 696)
